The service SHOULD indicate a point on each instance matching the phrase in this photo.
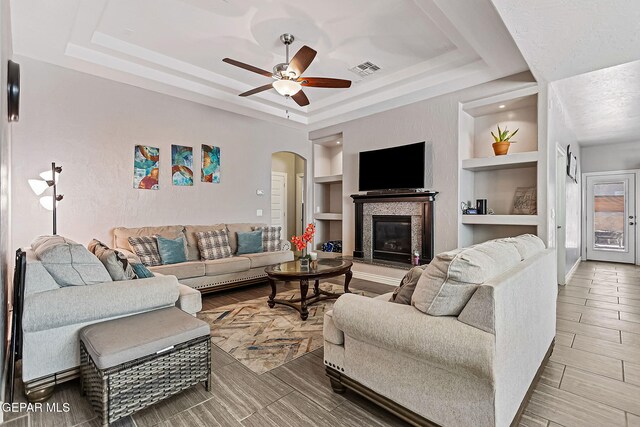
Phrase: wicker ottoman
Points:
(130, 363)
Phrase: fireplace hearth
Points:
(392, 237)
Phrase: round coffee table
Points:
(290, 271)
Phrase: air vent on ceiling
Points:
(365, 69)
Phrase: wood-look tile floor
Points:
(592, 379)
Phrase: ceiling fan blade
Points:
(257, 90)
(324, 82)
(301, 60)
(247, 67)
(300, 98)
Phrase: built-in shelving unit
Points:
(483, 175)
(327, 203)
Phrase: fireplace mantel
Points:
(424, 199)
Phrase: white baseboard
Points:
(572, 271)
(391, 281)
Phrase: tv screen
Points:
(393, 168)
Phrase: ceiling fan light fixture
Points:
(287, 87)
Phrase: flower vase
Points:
(304, 260)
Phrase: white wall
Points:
(5, 145)
(90, 125)
(610, 157)
(433, 120)
(561, 135)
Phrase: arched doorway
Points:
(288, 192)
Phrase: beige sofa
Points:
(209, 275)
(473, 369)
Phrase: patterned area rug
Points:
(263, 338)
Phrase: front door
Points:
(611, 218)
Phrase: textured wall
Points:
(434, 120)
(90, 125)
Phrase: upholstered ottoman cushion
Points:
(133, 362)
(129, 338)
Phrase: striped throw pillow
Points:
(213, 244)
(146, 247)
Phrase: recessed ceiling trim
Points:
(108, 61)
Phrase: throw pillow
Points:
(526, 244)
(403, 293)
(271, 239)
(172, 251)
(213, 244)
(141, 271)
(114, 261)
(69, 263)
(146, 247)
(250, 243)
(451, 278)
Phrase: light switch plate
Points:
(259, 212)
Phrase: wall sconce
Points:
(49, 180)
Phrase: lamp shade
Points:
(287, 87)
(38, 186)
(46, 175)
(47, 202)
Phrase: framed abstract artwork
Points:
(145, 167)
(210, 163)
(181, 165)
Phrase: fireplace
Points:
(391, 238)
(389, 227)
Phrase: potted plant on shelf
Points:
(502, 141)
(301, 242)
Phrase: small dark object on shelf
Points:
(332, 246)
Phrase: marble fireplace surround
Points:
(419, 206)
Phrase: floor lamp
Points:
(49, 180)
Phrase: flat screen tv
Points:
(395, 168)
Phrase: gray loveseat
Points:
(53, 315)
(473, 368)
(211, 275)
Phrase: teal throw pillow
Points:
(250, 243)
(172, 251)
(141, 271)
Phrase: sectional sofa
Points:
(211, 275)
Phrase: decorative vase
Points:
(501, 148)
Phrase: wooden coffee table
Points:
(290, 271)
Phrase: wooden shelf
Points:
(510, 161)
(328, 216)
(331, 179)
(501, 219)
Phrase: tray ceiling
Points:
(424, 48)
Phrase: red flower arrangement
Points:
(301, 242)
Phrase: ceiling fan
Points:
(288, 75)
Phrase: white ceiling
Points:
(564, 38)
(603, 106)
(588, 49)
(424, 48)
